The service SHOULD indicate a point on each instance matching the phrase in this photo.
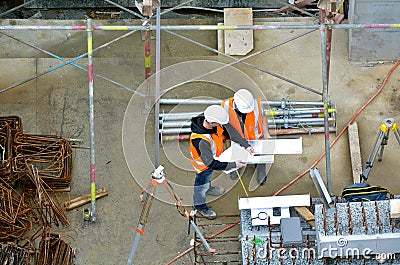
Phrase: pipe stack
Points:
(284, 117)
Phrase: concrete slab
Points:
(58, 103)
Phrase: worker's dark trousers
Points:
(201, 185)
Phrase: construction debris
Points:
(41, 163)
(50, 154)
(53, 250)
(82, 200)
(12, 254)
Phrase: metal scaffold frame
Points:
(324, 28)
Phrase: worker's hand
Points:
(250, 149)
(240, 164)
(266, 137)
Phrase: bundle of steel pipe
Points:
(284, 118)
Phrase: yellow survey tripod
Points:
(379, 145)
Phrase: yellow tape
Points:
(90, 47)
(147, 62)
(93, 191)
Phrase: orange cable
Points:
(305, 172)
(342, 131)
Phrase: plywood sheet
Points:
(238, 42)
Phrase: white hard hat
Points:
(244, 100)
(216, 113)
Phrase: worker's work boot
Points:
(215, 191)
(208, 213)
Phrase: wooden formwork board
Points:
(238, 42)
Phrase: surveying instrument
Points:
(147, 197)
(381, 140)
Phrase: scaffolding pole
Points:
(91, 116)
(157, 94)
(206, 27)
(325, 100)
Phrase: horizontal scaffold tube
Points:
(271, 123)
(280, 103)
(186, 136)
(174, 116)
(209, 27)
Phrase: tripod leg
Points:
(383, 143)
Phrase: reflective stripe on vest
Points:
(216, 145)
(253, 122)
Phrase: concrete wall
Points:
(374, 44)
(167, 3)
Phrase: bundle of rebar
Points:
(53, 250)
(9, 126)
(16, 215)
(49, 208)
(12, 254)
(50, 154)
(286, 118)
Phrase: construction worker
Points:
(206, 143)
(246, 114)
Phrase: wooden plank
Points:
(238, 42)
(395, 208)
(355, 153)
(306, 214)
(84, 199)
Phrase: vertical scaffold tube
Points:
(147, 69)
(89, 30)
(326, 102)
(157, 94)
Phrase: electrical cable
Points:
(342, 131)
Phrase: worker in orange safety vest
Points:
(246, 114)
(206, 144)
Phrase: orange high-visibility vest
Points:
(216, 144)
(252, 124)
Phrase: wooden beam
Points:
(355, 153)
(84, 199)
(306, 214)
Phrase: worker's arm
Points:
(207, 157)
(265, 129)
(235, 136)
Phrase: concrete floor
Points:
(57, 103)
